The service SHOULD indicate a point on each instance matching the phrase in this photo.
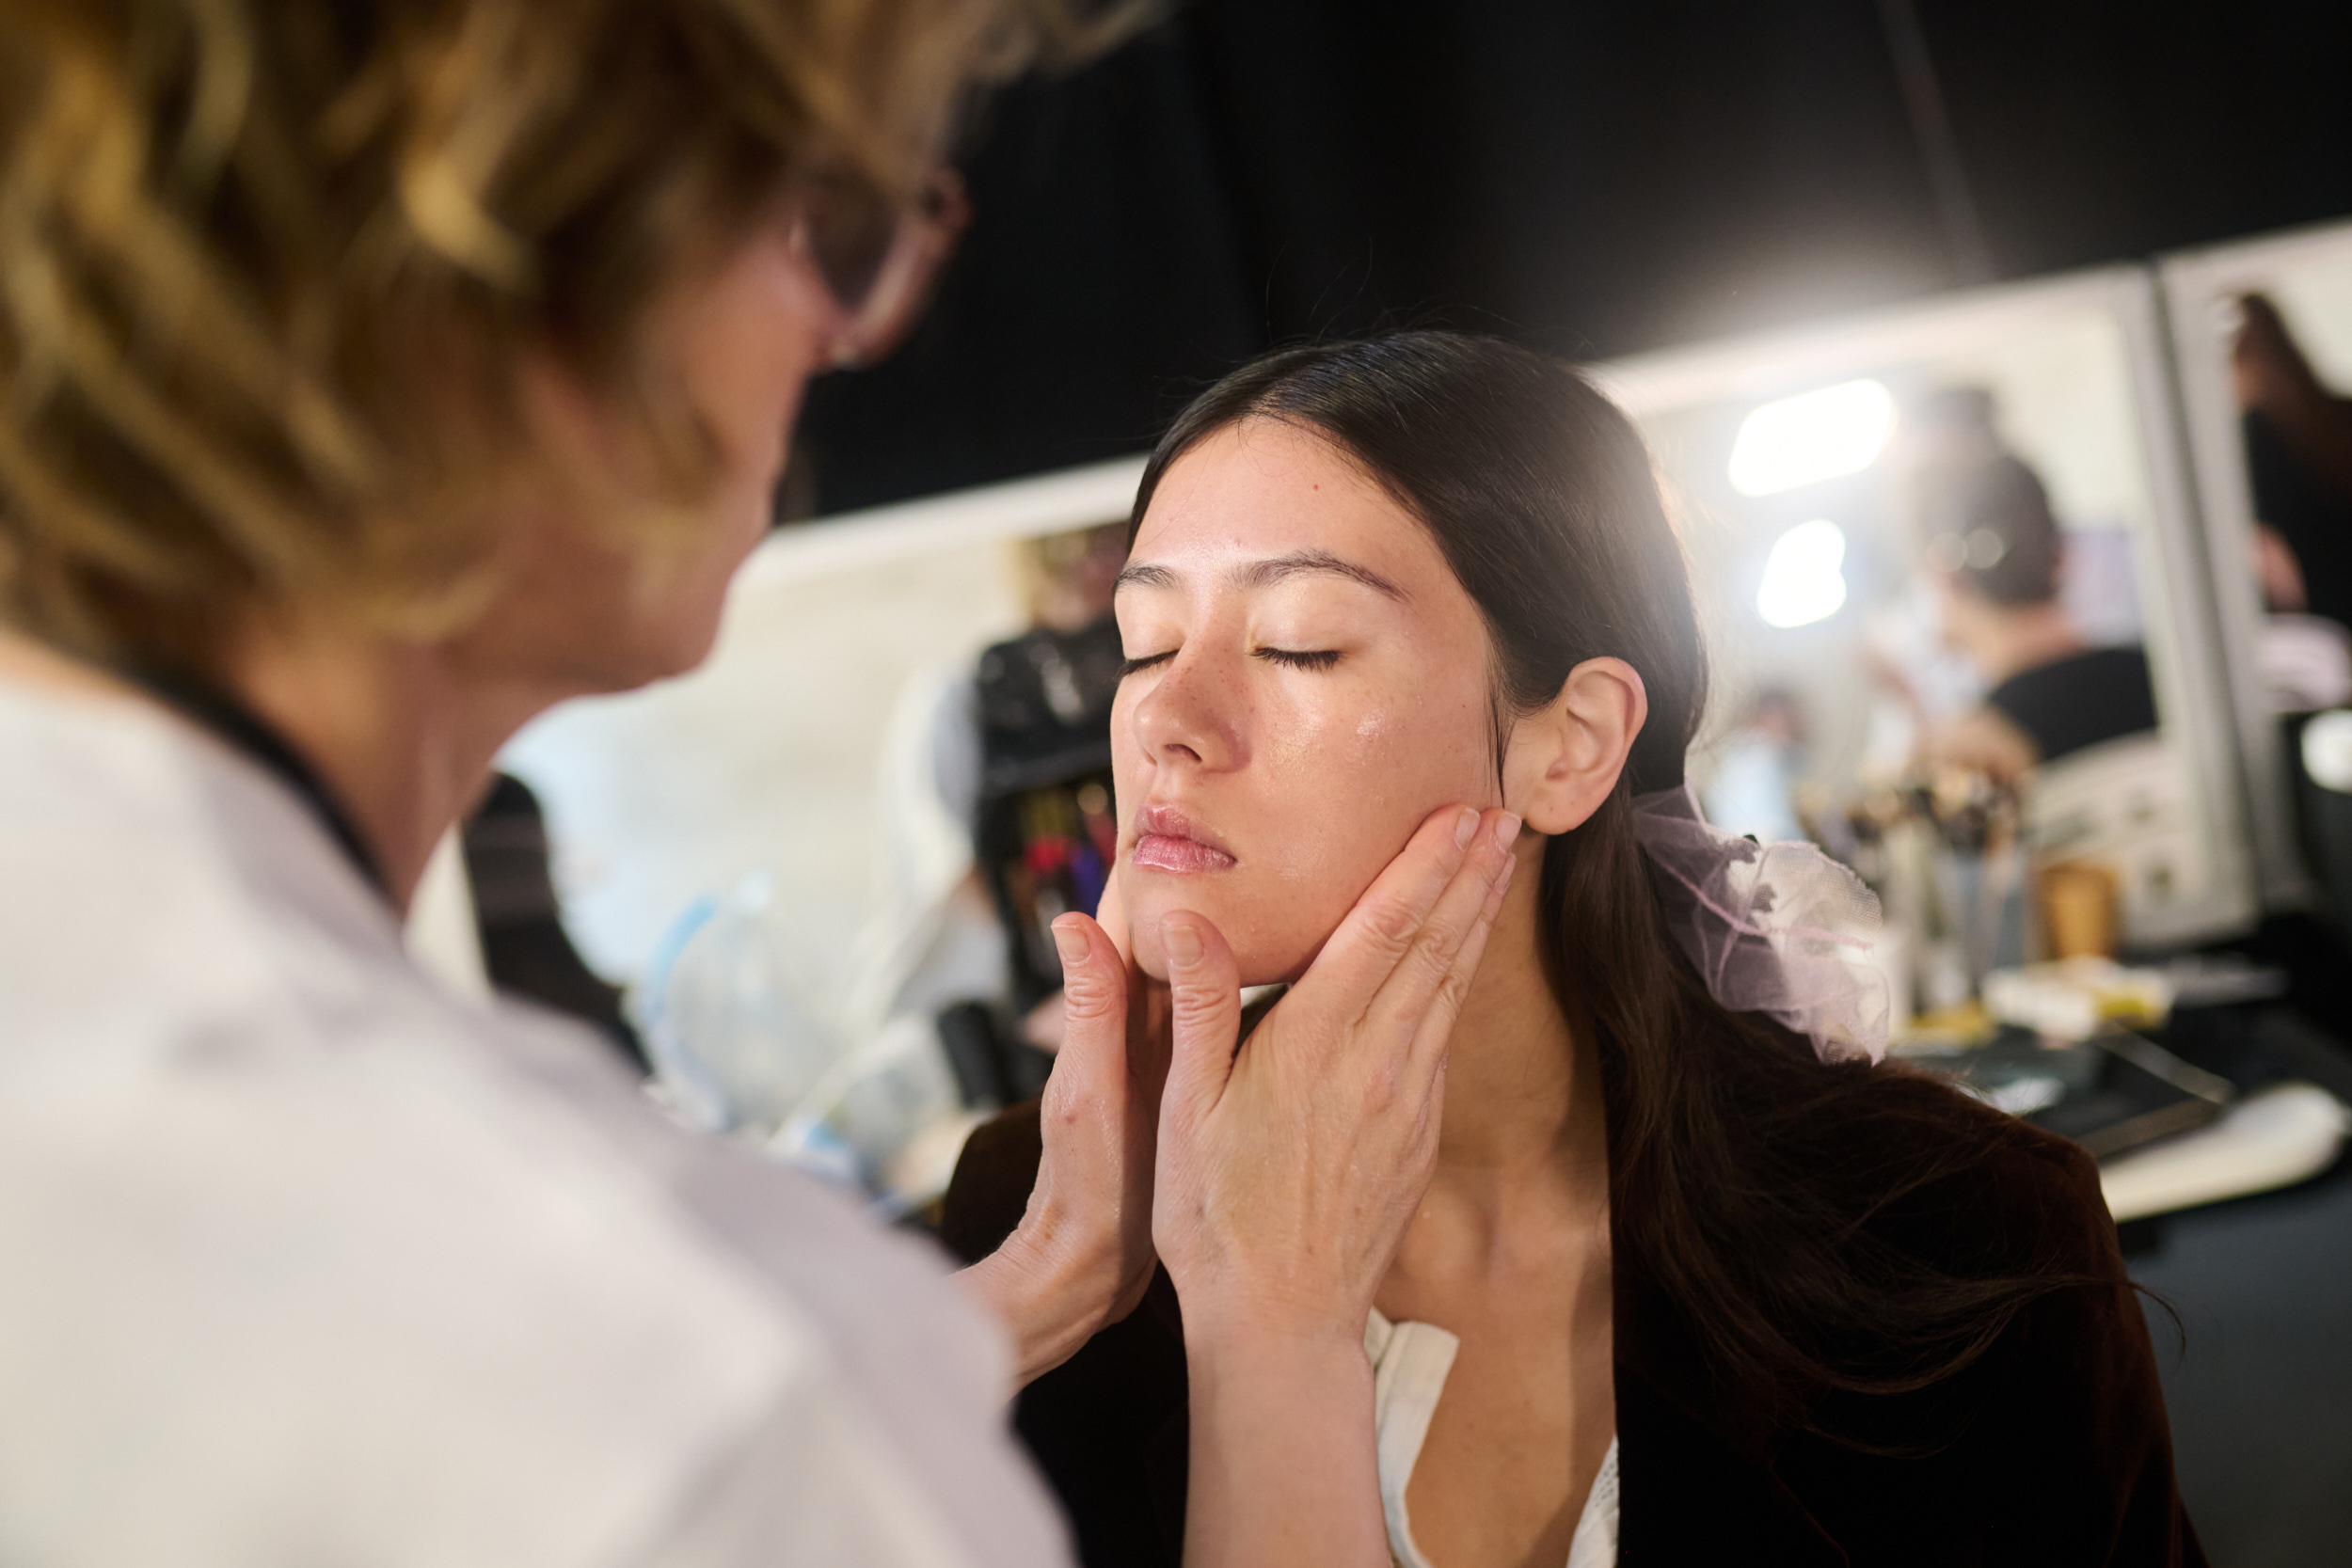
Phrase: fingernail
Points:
(1506, 831)
(1464, 828)
(1072, 943)
(1182, 939)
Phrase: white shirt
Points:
(1409, 1364)
(304, 1260)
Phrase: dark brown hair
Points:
(1736, 1188)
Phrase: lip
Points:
(1168, 840)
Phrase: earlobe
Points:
(1566, 757)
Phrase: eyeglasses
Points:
(878, 257)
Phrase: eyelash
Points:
(1312, 658)
(1296, 658)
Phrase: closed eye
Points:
(1129, 667)
(1301, 658)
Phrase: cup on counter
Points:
(2079, 902)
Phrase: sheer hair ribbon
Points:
(1775, 928)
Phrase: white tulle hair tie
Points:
(1775, 928)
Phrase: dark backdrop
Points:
(1592, 178)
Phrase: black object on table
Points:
(2129, 1089)
(2110, 1093)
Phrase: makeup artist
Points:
(377, 377)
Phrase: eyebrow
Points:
(1269, 571)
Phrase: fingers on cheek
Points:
(1391, 926)
(1452, 991)
(1088, 993)
(1501, 886)
(1379, 1089)
(1089, 986)
(1195, 994)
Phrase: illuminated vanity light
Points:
(2327, 750)
(1817, 436)
(1804, 579)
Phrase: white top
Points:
(1409, 1363)
(304, 1259)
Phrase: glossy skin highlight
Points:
(1308, 682)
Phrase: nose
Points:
(1191, 717)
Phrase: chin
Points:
(658, 647)
(1270, 947)
(684, 648)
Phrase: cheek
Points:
(745, 346)
(747, 366)
(597, 610)
(1351, 796)
(1327, 798)
(676, 589)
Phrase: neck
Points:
(1522, 1101)
(2004, 640)
(402, 746)
(400, 739)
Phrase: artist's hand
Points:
(1290, 1163)
(1082, 1255)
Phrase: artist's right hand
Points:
(1081, 1257)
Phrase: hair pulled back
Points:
(1734, 1190)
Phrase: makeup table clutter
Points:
(2191, 1084)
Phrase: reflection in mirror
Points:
(2262, 334)
(1942, 555)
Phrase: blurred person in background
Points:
(2298, 456)
(994, 784)
(1036, 796)
(378, 376)
(1995, 552)
(2299, 461)
(1921, 680)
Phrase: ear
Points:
(1564, 757)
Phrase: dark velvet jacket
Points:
(2051, 1448)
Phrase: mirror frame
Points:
(1029, 508)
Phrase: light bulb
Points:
(1815, 436)
(1804, 576)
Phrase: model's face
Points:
(587, 607)
(1313, 681)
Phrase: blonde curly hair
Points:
(268, 267)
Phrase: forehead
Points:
(1265, 487)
